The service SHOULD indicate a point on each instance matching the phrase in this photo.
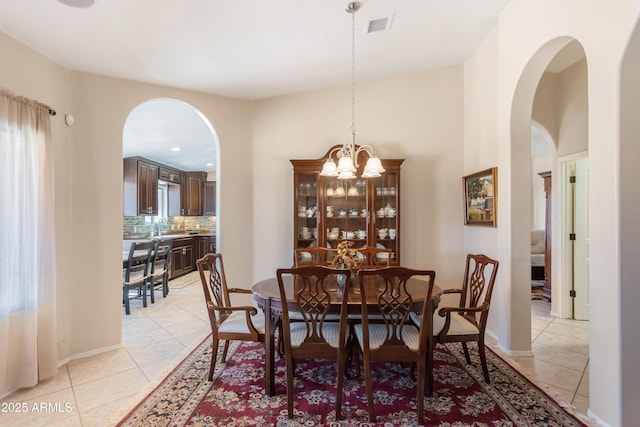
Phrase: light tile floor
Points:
(98, 391)
(560, 365)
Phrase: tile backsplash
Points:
(145, 224)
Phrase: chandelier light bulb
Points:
(346, 175)
(329, 168)
(373, 168)
(345, 165)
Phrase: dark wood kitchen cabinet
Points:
(193, 182)
(169, 175)
(189, 193)
(140, 187)
(204, 245)
(209, 198)
(182, 259)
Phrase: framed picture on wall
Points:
(480, 198)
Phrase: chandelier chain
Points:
(347, 155)
(353, 75)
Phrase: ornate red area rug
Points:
(236, 396)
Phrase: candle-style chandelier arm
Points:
(347, 156)
(348, 149)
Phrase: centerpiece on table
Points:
(345, 259)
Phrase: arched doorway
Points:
(181, 148)
(528, 99)
(542, 154)
(175, 134)
(552, 93)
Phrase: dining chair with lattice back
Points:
(310, 293)
(242, 323)
(467, 321)
(135, 274)
(310, 256)
(316, 255)
(374, 257)
(395, 337)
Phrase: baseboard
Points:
(599, 420)
(88, 354)
(512, 353)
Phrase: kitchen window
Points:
(163, 201)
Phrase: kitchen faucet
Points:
(157, 226)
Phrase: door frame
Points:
(563, 259)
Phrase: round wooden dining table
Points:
(266, 294)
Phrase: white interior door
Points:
(581, 242)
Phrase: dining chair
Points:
(243, 323)
(467, 321)
(312, 334)
(396, 338)
(374, 257)
(316, 255)
(135, 274)
(160, 264)
(309, 256)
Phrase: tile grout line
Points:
(575, 394)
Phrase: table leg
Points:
(429, 373)
(269, 349)
(431, 344)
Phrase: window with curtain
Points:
(28, 339)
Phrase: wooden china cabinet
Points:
(328, 210)
(546, 290)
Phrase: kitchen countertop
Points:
(175, 235)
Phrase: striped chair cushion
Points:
(378, 333)
(330, 332)
(237, 323)
(459, 325)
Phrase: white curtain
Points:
(28, 342)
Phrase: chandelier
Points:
(348, 154)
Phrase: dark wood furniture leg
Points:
(269, 349)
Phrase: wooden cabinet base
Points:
(181, 257)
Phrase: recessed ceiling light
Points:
(209, 164)
(176, 149)
(78, 3)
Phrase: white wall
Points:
(88, 186)
(417, 117)
(529, 35)
(573, 110)
(480, 153)
(629, 154)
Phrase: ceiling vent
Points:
(378, 24)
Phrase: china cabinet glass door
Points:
(346, 212)
(385, 213)
(306, 210)
(328, 210)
